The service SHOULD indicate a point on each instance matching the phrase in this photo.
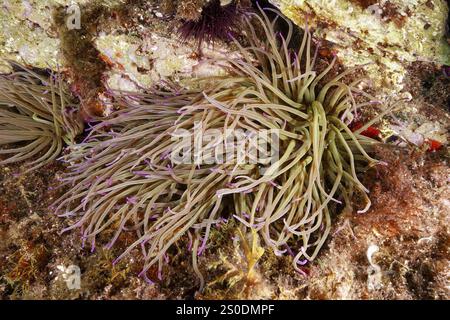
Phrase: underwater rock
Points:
(387, 33)
(145, 61)
(27, 34)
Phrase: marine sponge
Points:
(123, 176)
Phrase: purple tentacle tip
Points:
(302, 262)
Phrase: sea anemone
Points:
(38, 113)
(124, 177)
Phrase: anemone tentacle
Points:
(123, 177)
(35, 110)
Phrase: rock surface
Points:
(399, 249)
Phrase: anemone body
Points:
(123, 177)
